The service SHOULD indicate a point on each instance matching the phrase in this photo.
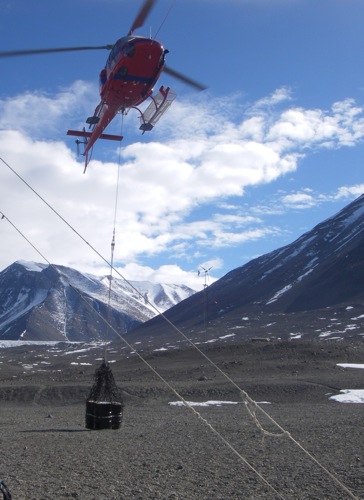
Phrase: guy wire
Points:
(176, 393)
(242, 392)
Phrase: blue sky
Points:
(271, 148)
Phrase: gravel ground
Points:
(171, 452)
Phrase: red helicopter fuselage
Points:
(132, 69)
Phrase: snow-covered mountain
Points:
(322, 268)
(313, 286)
(43, 302)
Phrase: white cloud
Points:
(279, 96)
(349, 191)
(309, 128)
(202, 154)
(164, 274)
(299, 200)
(40, 113)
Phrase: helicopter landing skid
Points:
(159, 105)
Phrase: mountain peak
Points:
(52, 302)
(31, 266)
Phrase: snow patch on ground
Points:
(351, 365)
(349, 396)
(202, 403)
(16, 343)
(209, 403)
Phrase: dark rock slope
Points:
(319, 275)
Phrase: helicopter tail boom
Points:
(87, 144)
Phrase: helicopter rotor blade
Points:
(142, 15)
(31, 52)
(184, 78)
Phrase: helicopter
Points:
(133, 67)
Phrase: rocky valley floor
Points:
(165, 451)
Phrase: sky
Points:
(273, 147)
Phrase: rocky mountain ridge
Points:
(313, 286)
(48, 302)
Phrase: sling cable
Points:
(113, 244)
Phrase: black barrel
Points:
(103, 415)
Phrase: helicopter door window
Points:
(129, 50)
(115, 51)
(113, 57)
(103, 78)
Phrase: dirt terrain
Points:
(164, 451)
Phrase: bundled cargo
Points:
(104, 405)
